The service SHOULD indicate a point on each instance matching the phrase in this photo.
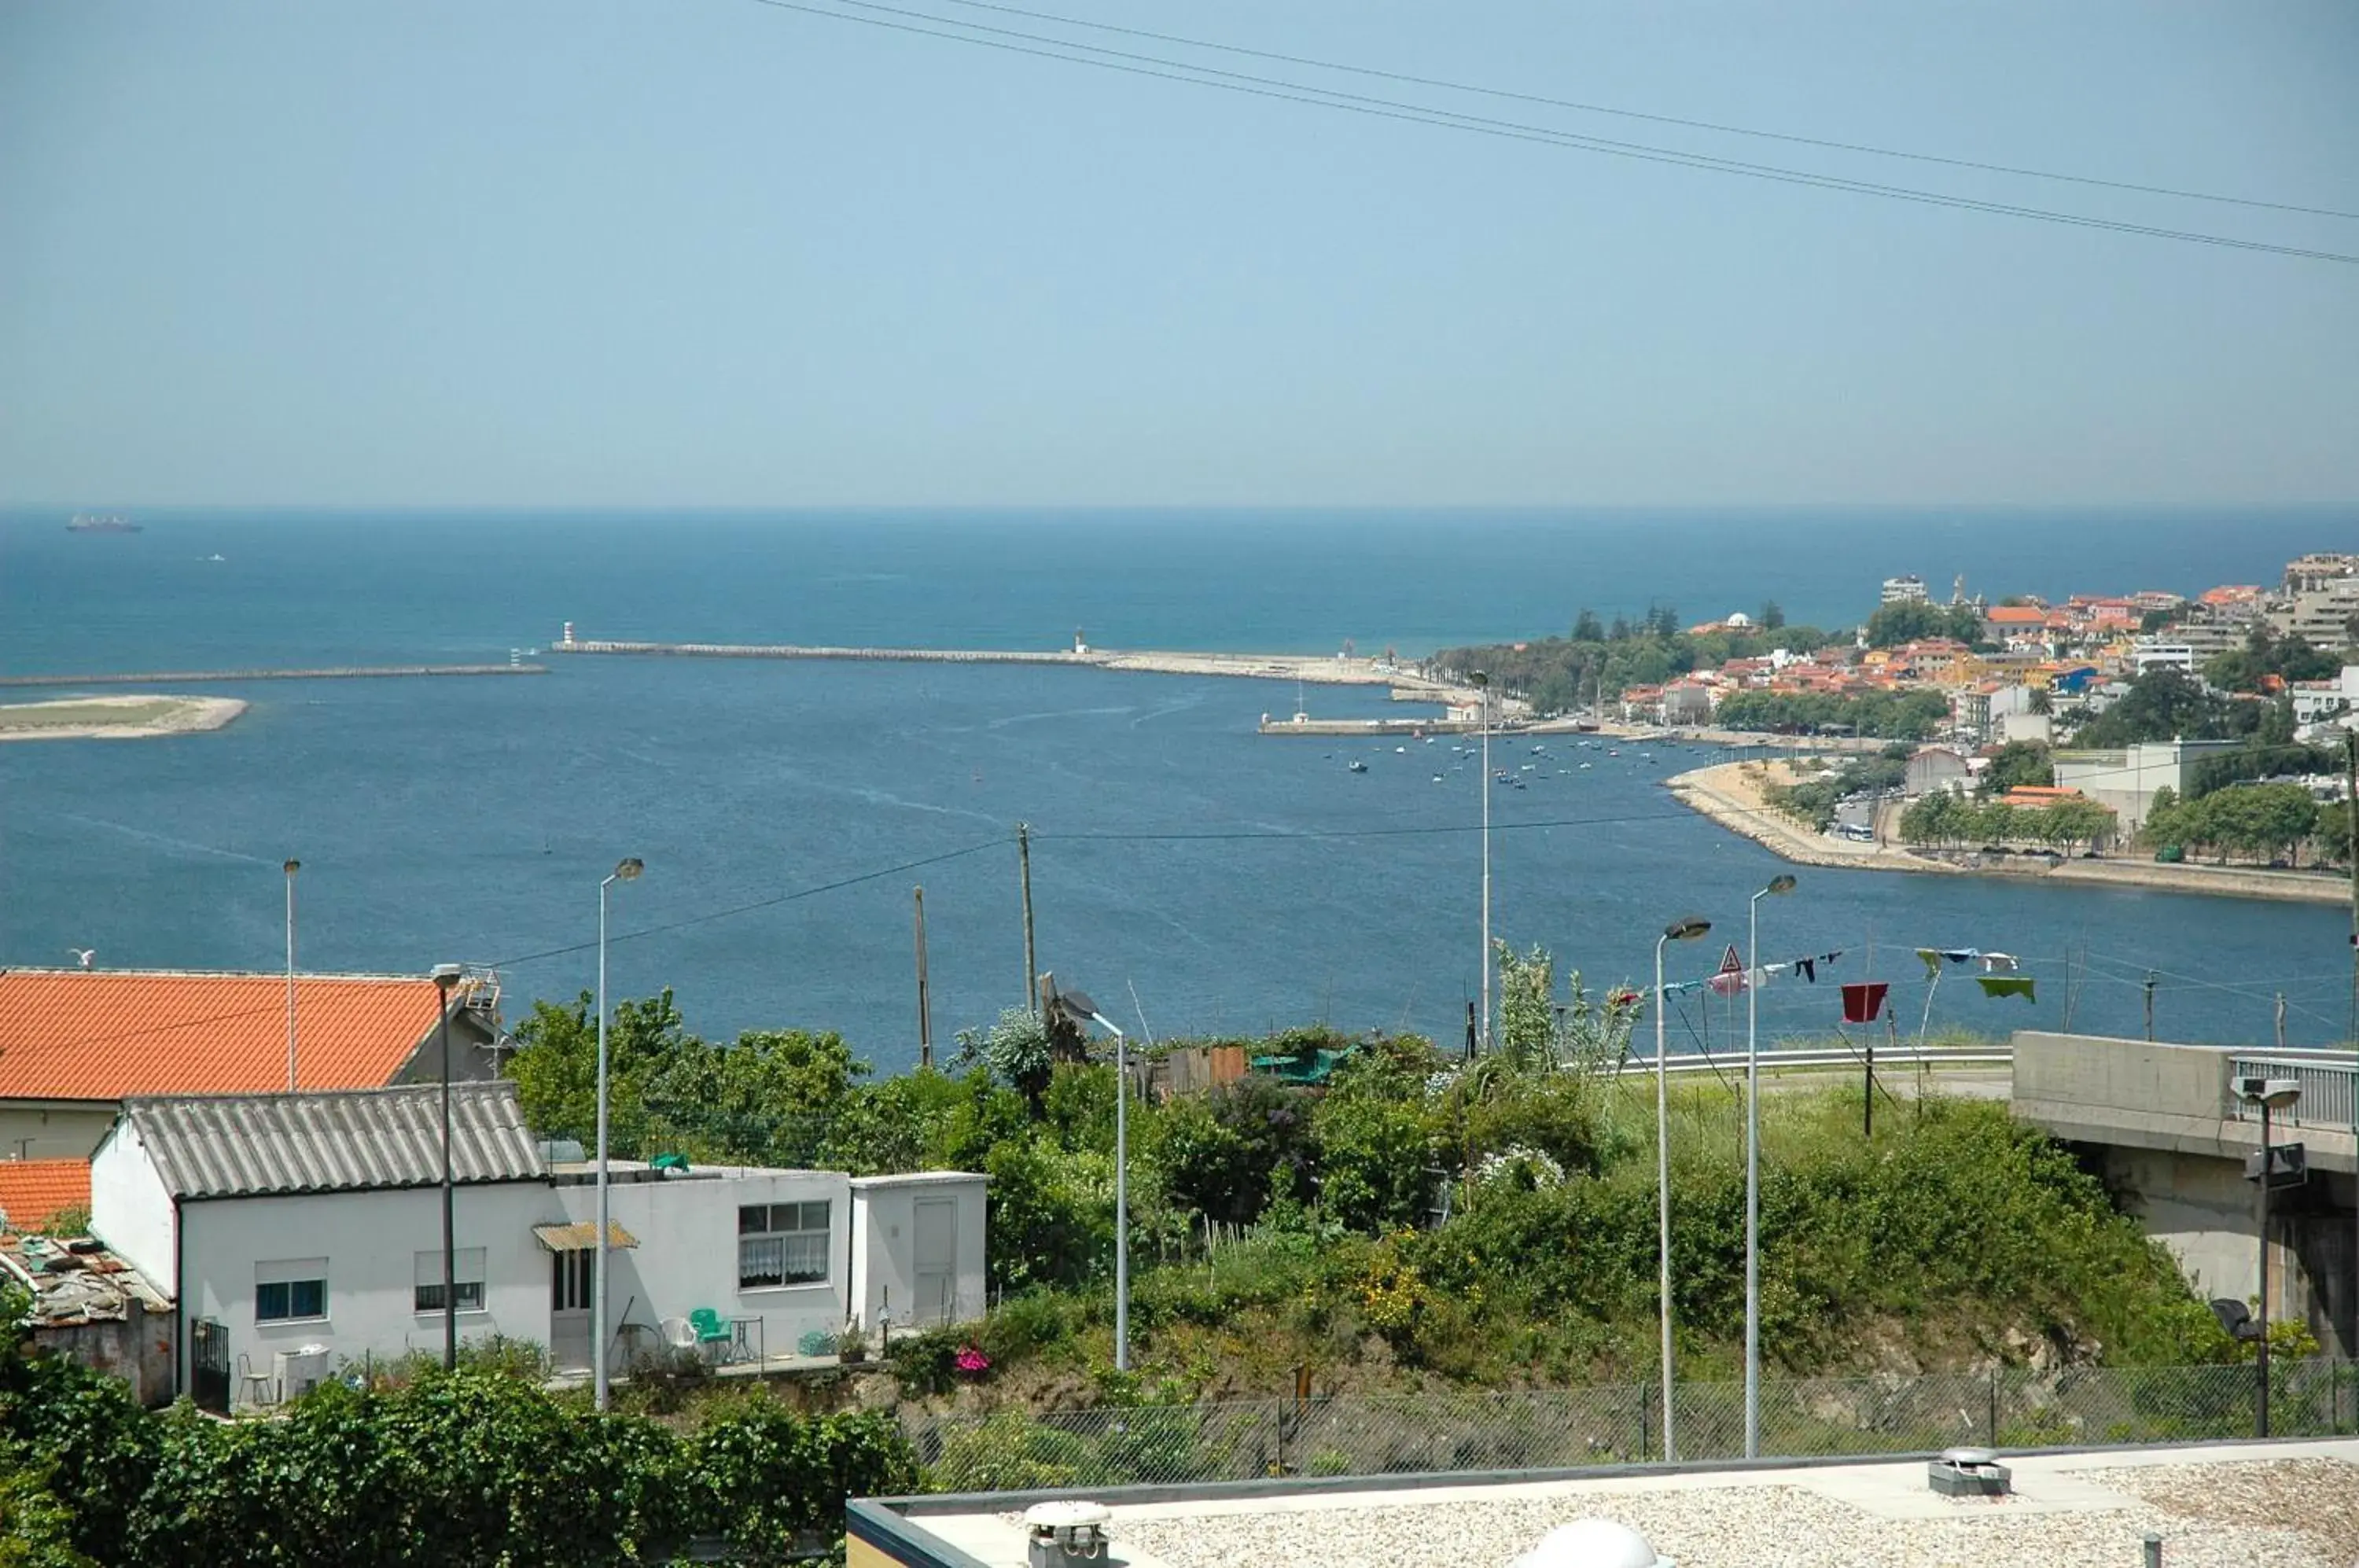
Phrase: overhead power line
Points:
(1042, 47)
(1693, 124)
(771, 902)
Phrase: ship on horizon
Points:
(100, 523)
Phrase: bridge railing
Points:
(2330, 1090)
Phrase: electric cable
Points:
(1390, 109)
(1717, 127)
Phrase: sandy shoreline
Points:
(116, 717)
(1731, 795)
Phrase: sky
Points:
(650, 253)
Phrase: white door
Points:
(569, 1310)
(934, 1261)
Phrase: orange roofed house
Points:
(32, 1191)
(75, 1042)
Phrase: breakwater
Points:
(341, 672)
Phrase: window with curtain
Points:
(782, 1244)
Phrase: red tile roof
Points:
(33, 1190)
(72, 1034)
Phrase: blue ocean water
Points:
(1234, 882)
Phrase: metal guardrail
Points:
(2330, 1090)
(1016, 1450)
(1775, 1061)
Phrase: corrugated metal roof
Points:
(581, 1235)
(232, 1145)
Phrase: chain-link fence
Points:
(1374, 1434)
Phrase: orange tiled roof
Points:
(2016, 616)
(33, 1190)
(72, 1034)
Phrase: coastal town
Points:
(2211, 735)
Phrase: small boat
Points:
(1437, 779)
(1584, 764)
(1613, 751)
(1401, 751)
(1356, 766)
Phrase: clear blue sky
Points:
(650, 252)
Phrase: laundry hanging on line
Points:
(1863, 1002)
(2007, 986)
(1934, 955)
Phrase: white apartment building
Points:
(2315, 702)
(2158, 654)
(2128, 779)
(294, 1233)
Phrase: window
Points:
(466, 1277)
(781, 1244)
(571, 1286)
(290, 1289)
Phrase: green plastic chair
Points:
(710, 1329)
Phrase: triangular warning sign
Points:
(1732, 965)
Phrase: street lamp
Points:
(446, 979)
(1753, 1165)
(2271, 1094)
(624, 871)
(1481, 679)
(1678, 930)
(291, 868)
(1078, 1004)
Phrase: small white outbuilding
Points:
(296, 1232)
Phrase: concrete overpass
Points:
(2159, 1123)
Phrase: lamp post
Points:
(1678, 930)
(624, 871)
(446, 979)
(1753, 1165)
(1079, 1003)
(291, 868)
(1481, 679)
(2271, 1094)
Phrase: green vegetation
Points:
(2289, 658)
(1945, 818)
(2019, 762)
(2257, 822)
(475, 1467)
(1813, 800)
(1598, 660)
(1895, 624)
(1422, 1219)
(1895, 715)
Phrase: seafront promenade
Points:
(1732, 795)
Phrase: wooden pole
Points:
(1024, 870)
(925, 1003)
(2351, 821)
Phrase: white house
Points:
(2314, 701)
(293, 1233)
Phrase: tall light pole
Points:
(624, 871)
(291, 868)
(446, 977)
(1481, 679)
(2270, 1095)
(1678, 930)
(1753, 1164)
(1080, 1003)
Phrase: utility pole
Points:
(2149, 1004)
(2351, 822)
(2281, 1020)
(1024, 870)
(925, 1005)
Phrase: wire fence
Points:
(1014, 1450)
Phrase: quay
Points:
(1315, 670)
(344, 673)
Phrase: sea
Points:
(1191, 876)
